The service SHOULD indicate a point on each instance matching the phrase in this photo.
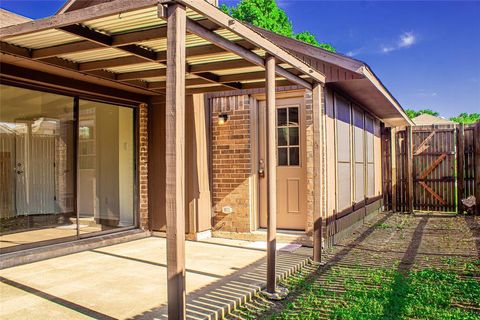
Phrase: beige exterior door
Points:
(291, 164)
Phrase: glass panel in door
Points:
(36, 168)
(105, 167)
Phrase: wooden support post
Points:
(460, 166)
(476, 169)
(175, 160)
(272, 175)
(409, 146)
(393, 152)
(317, 167)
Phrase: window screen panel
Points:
(359, 182)
(344, 186)
(343, 145)
(358, 135)
(369, 131)
(343, 109)
(370, 151)
(359, 154)
(371, 180)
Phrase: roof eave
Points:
(370, 75)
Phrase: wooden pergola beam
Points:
(196, 28)
(145, 74)
(87, 33)
(220, 87)
(15, 50)
(205, 78)
(318, 145)
(64, 83)
(272, 175)
(220, 65)
(63, 49)
(258, 75)
(262, 84)
(175, 161)
(129, 78)
(225, 21)
(188, 82)
(97, 40)
(140, 52)
(123, 40)
(107, 41)
(191, 52)
(202, 32)
(110, 63)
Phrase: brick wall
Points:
(143, 166)
(231, 159)
(310, 162)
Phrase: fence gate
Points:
(445, 168)
(434, 168)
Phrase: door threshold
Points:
(283, 232)
(12, 259)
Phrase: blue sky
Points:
(427, 53)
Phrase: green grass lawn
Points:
(451, 292)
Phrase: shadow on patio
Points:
(128, 280)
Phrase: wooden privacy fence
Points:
(431, 168)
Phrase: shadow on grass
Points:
(474, 227)
(401, 266)
(394, 308)
(261, 308)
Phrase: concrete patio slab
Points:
(128, 281)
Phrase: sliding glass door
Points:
(36, 167)
(105, 167)
(46, 154)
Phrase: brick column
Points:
(231, 163)
(143, 166)
(310, 162)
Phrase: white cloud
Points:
(426, 93)
(355, 52)
(387, 49)
(406, 40)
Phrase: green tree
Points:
(308, 37)
(262, 13)
(328, 47)
(268, 15)
(412, 113)
(466, 118)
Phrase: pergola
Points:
(137, 48)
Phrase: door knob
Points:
(261, 169)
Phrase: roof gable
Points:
(428, 119)
(8, 18)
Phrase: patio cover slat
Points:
(77, 16)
